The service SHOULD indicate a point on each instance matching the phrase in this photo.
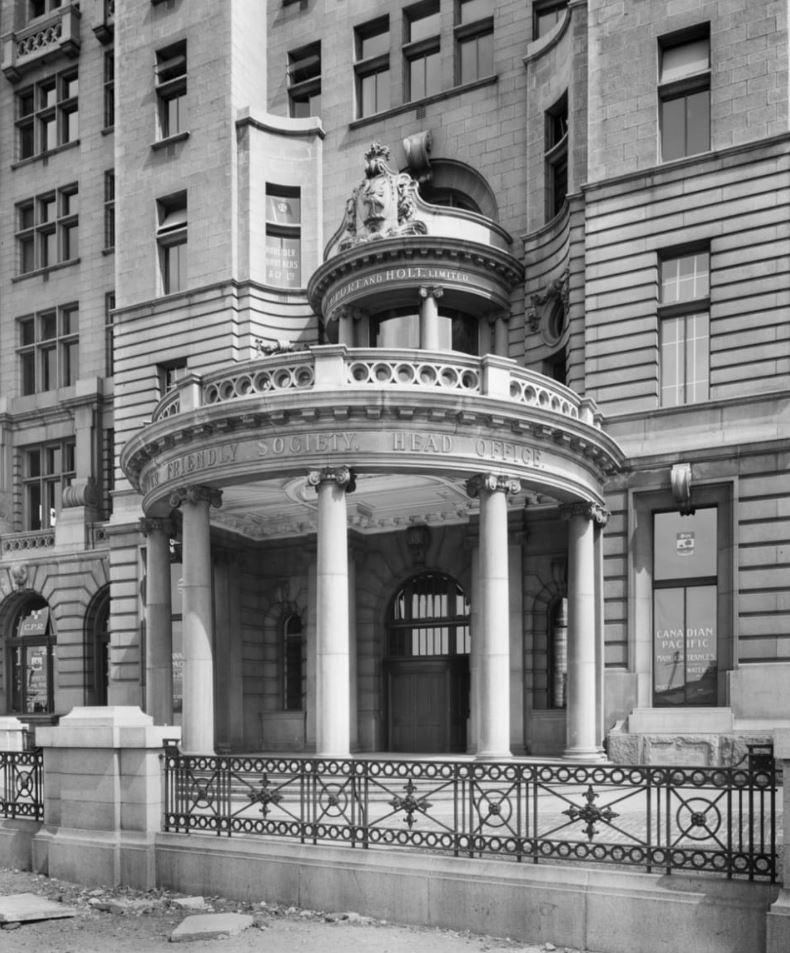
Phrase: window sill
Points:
(44, 156)
(169, 141)
(45, 272)
(108, 130)
(427, 101)
(108, 251)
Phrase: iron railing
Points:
(659, 818)
(22, 784)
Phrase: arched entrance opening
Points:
(30, 649)
(427, 665)
(97, 648)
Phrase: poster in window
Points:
(283, 264)
(37, 680)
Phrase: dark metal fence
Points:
(659, 818)
(21, 784)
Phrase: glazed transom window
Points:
(429, 617)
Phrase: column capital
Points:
(591, 511)
(431, 291)
(196, 494)
(157, 524)
(493, 483)
(343, 476)
(494, 316)
(349, 312)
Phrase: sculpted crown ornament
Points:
(384, 205)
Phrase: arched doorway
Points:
(97, 648)
(427, 665)
(30, 649)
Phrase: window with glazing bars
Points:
(304, 81)
(372, 66)
(47, 114)
(684, 332)
(48, 349)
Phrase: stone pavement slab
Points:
(27, 907)
(210, 926)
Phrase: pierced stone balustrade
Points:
(357, 369)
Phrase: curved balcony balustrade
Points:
(378, 411)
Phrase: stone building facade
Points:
(443, 357)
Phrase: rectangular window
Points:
(171, 89)
(47, 230)
(372, 67)
(109, 209)
(38, 8)
(545, 16)
(556, 156)
(684, 95)
(48, 349)
(474, 40)
(422, 65)
(685, 598)
(283, 236)
(304, 81)
(171, 237)
(169, 374)
(47, 469)
(47, 115)
(684, 332)
(109, 89)
(109, 343)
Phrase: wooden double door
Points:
(428, 704)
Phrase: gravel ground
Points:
(119, 920)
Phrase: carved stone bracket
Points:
(540, 305)
(492, 483)
(343, 476)
(418, 155)
(592, 511)
(196, 494)
(680, 478)
(81, 493)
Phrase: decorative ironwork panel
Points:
(721, 820)
(21, 784)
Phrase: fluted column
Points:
(332, 614)
(429, 318)
(491, 644)
(197, 733)
(582, 743)
(158, 620)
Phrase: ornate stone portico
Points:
(413, 411)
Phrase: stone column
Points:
(429, 318)
(158, 620)
(499, 326)
(582, 743)
(333, 682)
(491, 643)
(197, 611)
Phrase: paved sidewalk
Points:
(125, 921)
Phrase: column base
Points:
(505, 755)
(581, 755)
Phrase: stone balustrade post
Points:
(103, 797)
(777, 921)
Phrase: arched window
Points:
(457, 185)
(429, 617)
(292, 663)
(30, 650)
(97, 648)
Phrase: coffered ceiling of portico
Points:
(282, 508)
